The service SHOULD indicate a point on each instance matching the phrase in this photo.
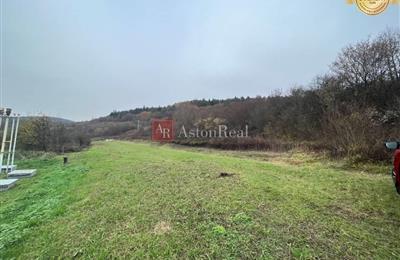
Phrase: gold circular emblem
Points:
(372, 7)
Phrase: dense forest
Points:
(349, 111)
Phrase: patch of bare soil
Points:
(162, 227)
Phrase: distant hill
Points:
(52, 119)
(136, 123)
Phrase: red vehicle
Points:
(396, 163)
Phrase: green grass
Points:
(141, 200)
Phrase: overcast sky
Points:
(80, 59)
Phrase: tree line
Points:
(51, 135)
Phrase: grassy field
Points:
(141, 200)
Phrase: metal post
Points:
(15, 141)
(2, 114)
(1, 120)
(10, 145)
(3, 143)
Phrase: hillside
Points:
(51, 119)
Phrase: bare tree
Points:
(369, 61)
(186, 114)
(389, 44)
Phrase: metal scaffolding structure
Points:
(9, 139)
(9, 135)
